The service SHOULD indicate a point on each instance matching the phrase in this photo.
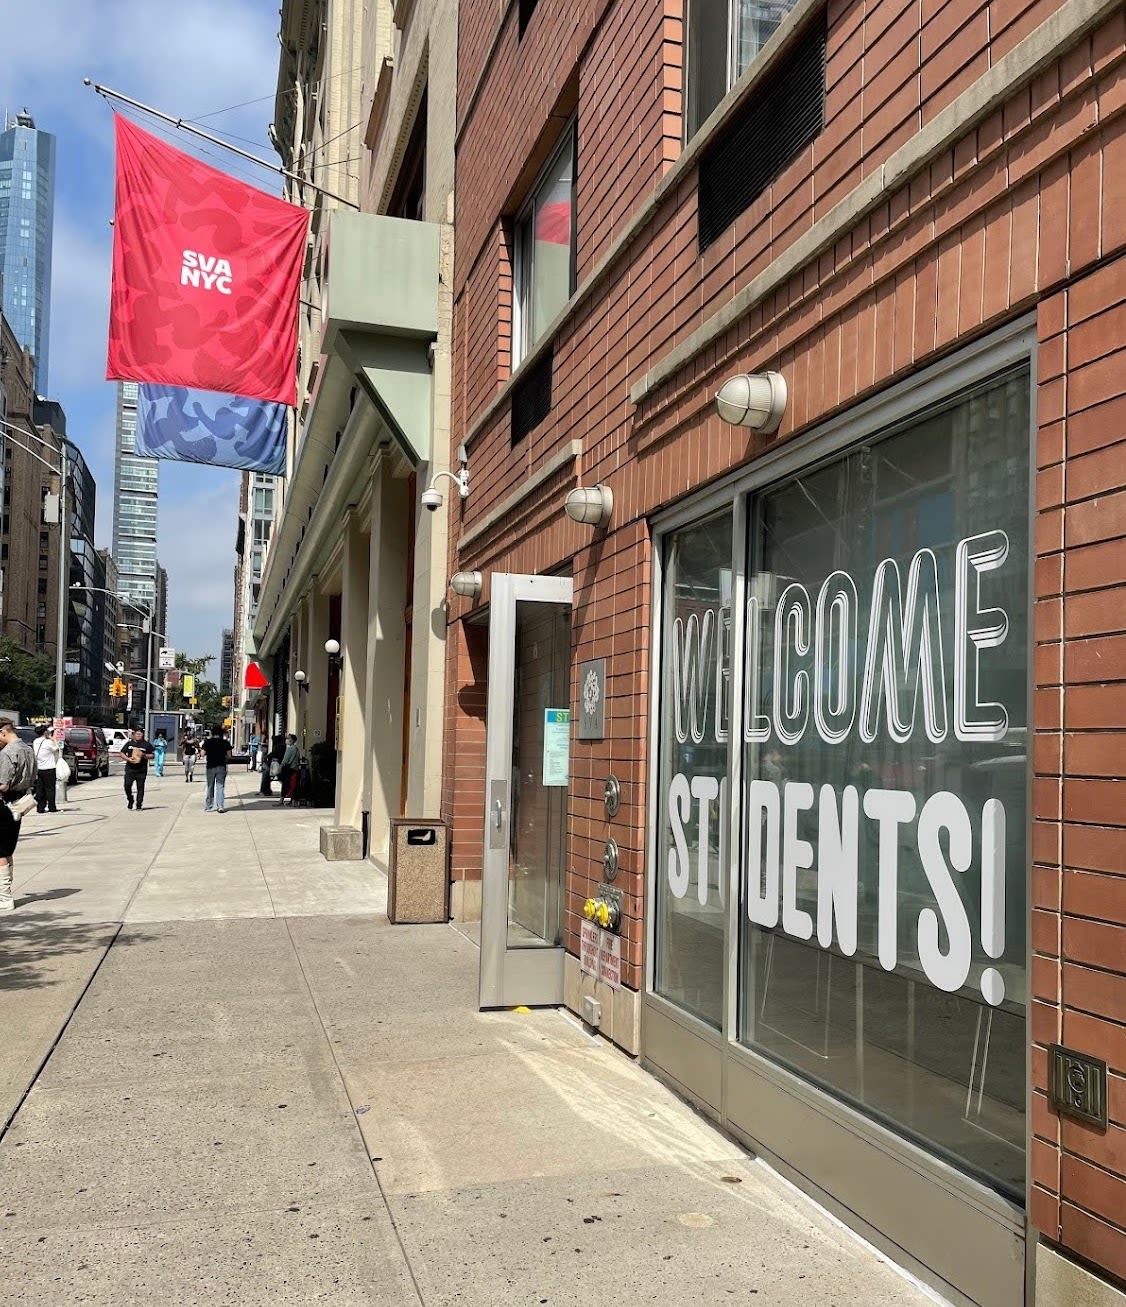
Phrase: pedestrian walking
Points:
(291, 760)
(136, 753)
(216, 751)
(47, 755)
(17, 780)
(188, 751)
(159, 748)
(252, 765)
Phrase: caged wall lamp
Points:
(756, 400)
(466, 584)
(590, 505)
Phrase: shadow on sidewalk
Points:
(30, 940)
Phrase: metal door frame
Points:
(509, 977)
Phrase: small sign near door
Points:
(556, 745)
(600, 954)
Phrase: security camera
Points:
(432, 499)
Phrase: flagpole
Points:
(108, 94)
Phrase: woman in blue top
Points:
(159, 745)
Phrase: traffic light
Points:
(226, 701)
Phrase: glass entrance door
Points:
(527, 759)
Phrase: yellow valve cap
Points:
(589, 909)
(602, 914)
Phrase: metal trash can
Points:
(418, 882)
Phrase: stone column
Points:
(351, 745)
(387, 599)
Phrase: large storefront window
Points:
(694, 728)
(883, 809)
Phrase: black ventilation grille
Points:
(531, 397)
(775, 124)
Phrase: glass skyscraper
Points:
(136, 484)
(27, 215)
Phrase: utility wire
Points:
(289, 90)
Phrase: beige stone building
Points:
(365, 110)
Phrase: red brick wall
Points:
(1026, 212)
(1079, 876)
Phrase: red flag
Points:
(206, 276)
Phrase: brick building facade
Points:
(937, 270)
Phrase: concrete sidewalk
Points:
(267, 1094)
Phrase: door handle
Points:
(498, 814)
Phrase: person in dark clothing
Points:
(290, 761)
(136, 753)
(268, 767)
(216, 751)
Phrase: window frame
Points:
(732, 73)
(523, 267)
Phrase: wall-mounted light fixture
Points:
(466, 584)
(755, 400)
(302, 681)
(332, 648)
(433, 499)
(591, 505)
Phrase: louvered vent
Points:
(769, 130)
(531, 398)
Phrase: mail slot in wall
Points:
(418, 881)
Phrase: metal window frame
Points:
(719, 1053)
(523, 246)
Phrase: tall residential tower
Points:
(27, 212)
(136, 483)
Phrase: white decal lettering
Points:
(792, 622)
(890, 809)
(762, 872)
(977, 628)
(680, 810)
(838, 860)
(945, 812)
(705, 790)
(834, 676)
(797, 855)
(904, 653)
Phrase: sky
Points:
(190, 59)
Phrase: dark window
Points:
(769, 130)
(408, 200)
(43, 585)
(527, 9)
(531, 397)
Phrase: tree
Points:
(186, 666)
(27, 681)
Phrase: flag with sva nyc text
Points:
(206, 276)
(203, 426)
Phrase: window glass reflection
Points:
(883, 809)
(693, 785)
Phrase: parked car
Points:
(90, 748)
(116, 739)
(27, 734)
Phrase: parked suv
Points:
(27, 735)
(90, 749)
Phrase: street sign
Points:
(166, 660)
(189, 685)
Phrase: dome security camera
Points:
(432, 499)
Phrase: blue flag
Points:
(202, 426)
